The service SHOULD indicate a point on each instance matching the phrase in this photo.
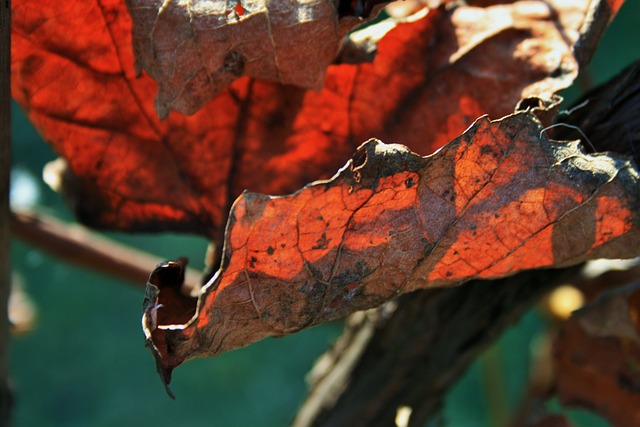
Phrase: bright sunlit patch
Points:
(565, 300)
(402, 416)
(25, 192)
(596, 267)
(21, 308)
(52, 173)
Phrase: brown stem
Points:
(77, 245)
(5, 169)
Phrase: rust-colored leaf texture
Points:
(434, 74)
(494, 201)
(498, 199)
(599, 349)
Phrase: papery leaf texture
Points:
(432, 76)
(597, 357)
(499, 199)
(196, 49)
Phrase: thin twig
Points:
(576, 128)
(78, 245)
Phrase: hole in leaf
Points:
(528, 104)
(234, 63)
(172, 305)
(409, 182)
(359, 159)
(238, 9)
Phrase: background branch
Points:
(77, 245)
(413, 353)
(5, 170)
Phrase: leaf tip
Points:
(165, 304)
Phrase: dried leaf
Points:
(597, 357)
(495, 201)
(72, 71)
(196, 49)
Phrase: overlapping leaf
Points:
(73, 72)
(597, 357)
(497, 200)
(194, 50)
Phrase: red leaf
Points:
(72, 71)
(494, 201)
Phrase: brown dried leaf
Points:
(495, 201)
(196, 49)
(597, 357)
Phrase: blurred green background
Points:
(85, 364)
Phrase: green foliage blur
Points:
(85, 363)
